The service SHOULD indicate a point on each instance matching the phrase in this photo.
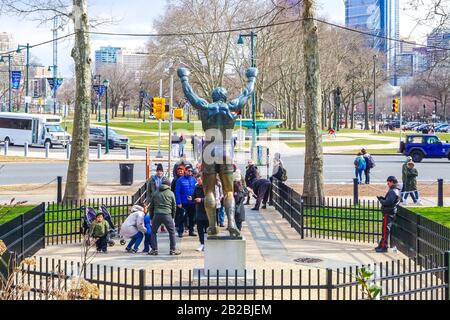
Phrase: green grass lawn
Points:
(355, 142)
(376, 151)
(7, 213)
(443, 136)
(439, 215)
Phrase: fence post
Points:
(329, 284)
(59, 197)
(99, 151)
(22, 235)
(25, 151)
(355, 191)
(44, 210)
(68, 150)
(447, 275)
(302, 220)
(141, 284)
(440, 192)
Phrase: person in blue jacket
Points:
(184, 191)
(148, 234)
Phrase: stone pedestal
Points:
(225, 253)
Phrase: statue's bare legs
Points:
(229, 203)
(209, 186)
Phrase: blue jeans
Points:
(181, 149)
(358, 174)
(220, 213)
(414, 195)
(136, 241)
(147, 242)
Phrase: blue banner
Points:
(15, 79)
(53, 85)
(100, 90)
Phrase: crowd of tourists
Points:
(178, 206)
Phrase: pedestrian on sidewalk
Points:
(180, 213)
(175, 145)
(184, 190)
(261, 189)
(155, 181)
(370, 164)
(183, 163)
(220, 210)
(404, 175)
(162, 212)
(99, 231)
(251, 175)
(182, 145)
(134, 227)
(411, 184)
(200, 212)
(360, 167)
(148, 234)
(240, 193)
(389, 204)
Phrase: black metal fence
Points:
(401, 280)
(24, 235)
(63, 220)
(417, 236)
(337, 219)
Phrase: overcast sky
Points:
(135, 16)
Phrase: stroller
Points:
(91, 215)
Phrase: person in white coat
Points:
(134, 227)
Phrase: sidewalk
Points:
(271, 244)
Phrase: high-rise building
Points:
(382, 19)
(438, 42)
(106, 56)
(7, 42)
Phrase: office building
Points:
(382, 19)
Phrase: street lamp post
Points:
(19, 49)
(9, 80)
(98, 79)
(106, 84)
(375, 95)
(424, 112)
(252, 37)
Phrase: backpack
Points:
(371, 162)
(282, 173)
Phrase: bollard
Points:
(127, 152)
(440, 192)
(47, 150)
(68, 150)
(6, 147)
(355, 191)
(25, 151)
(99, 151)
(59, 194)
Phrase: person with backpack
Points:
(251, 175)
(370, 164)
(360, 167)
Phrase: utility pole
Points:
(55, 61)
(19, 49)
(169, 170)
(159, 155)
(2, 60)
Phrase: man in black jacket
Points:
(389, 205)
(261, 189)
(251, 175)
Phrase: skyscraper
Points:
(382, 19)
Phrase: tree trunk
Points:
(313, 179)
(79, 160)
(366, 114)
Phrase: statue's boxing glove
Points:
(183, 73)
(252, 73)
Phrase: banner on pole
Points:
(100, 90)
(55, 85)
(15, 79)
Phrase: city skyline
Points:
(131, 20)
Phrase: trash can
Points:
(126, 174)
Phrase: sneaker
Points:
(255, 209)
(381, 250)
(180, 235)
(175, 252)
(264, 207)
(153, 253)
(104, 251)
(133, 251)
(222, 225)
(201, 248)
(128, 249)
(192, 234)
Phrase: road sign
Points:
(55, 84)
(100, 90)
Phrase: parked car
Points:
(444, 129)
(98, 136)
(424, 146)
(410, 125)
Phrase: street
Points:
(338, 169)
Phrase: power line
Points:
(185, 34)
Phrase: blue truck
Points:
(425, 146)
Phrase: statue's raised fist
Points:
(252, 73)
(183, 72)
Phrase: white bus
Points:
(36, 129)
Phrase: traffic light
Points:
(178, 113)
(395, 105)
(158, 107)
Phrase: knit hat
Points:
(159, 167)
(408, 159)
